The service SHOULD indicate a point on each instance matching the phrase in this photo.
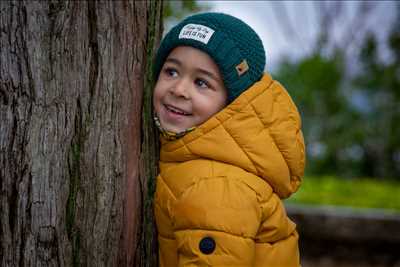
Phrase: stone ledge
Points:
(347, 224)
(346, 236)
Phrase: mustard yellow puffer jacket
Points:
(218, 196)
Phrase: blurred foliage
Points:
(350, 193)
(175, 10)
(179, 9)
(351, 122)
(380, 84)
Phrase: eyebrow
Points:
(203, 71)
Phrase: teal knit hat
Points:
(233, 45)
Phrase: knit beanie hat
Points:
(233, 45)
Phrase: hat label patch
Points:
(196, 32)
(242, 68)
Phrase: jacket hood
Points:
(260, 132)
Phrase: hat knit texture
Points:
(233, 45)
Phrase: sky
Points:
(290, 28)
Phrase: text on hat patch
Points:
(196, 32)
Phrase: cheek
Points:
(154, 99)
(156, 103)
(157, 94)
(218, 106)
(217, 102)
(208, 107)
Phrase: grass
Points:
(356, 193)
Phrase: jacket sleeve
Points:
(277, 239)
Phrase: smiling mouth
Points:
(177, 110)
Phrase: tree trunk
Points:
(77, 145)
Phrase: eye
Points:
(202, 83)
(171, 72)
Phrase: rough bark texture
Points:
(73, 189)
(147, 248)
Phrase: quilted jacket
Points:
(218, 196)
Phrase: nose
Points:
(181, 88)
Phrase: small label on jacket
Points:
(196, 32)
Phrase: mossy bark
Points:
(78, 151)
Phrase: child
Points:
(231, 149)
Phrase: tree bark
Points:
(77, 145)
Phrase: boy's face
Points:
(189, 90)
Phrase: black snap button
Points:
(207, 245)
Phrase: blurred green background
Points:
(340, 62)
